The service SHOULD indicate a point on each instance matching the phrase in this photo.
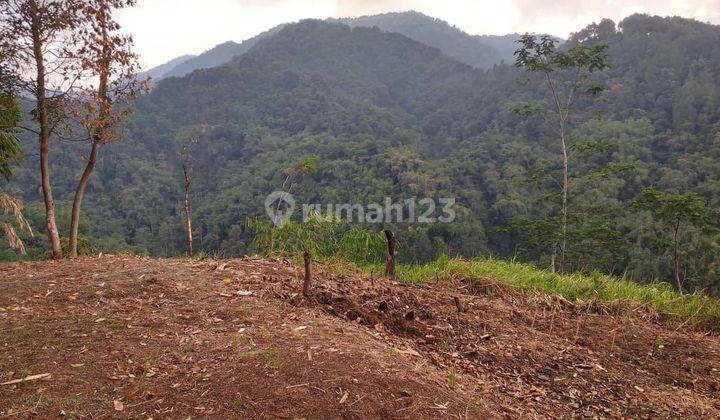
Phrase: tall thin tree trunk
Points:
(44, 137)
(98, 136)
(676, 259)
(563, 115)
(186, 210)
(187, 174)
(77, 200)
(563, 229)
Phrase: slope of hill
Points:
(121, 336)
(478, 51)
(363, 65)
(218, 55)
(159, 72)
(472, 50)
(390, 117)
(505, 45)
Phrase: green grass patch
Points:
(595, 291)
(349, 250)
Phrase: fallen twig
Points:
(27, 379)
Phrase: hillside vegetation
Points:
(388, 116)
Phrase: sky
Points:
(165, 29)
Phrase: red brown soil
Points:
(131, 337)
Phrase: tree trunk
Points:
(77, 200)
(563, 228)
(390, 262)
(44, 137)
(98, 136)
(184, 159)
(563, 115)
(188, 221)
(307, 283)
(676, 259)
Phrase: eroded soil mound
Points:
(124, 336)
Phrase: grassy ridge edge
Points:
(596, 292)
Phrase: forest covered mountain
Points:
(479, 51)
(220, 54)
(161, 71)
(216, 56)
(389, 116)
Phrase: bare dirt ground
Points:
(131, 337)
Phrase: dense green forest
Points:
(388, 116)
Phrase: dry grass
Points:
(13, 207)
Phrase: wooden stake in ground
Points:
(390, 262)
(307, 283)
(458, 304)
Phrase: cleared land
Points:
(124, 336)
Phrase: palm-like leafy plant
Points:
(10, 207)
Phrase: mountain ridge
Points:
(433, 32)
(215, 56)
(481, 51)
(160, 71)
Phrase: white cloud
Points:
(164, 29)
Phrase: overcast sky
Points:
(165, 29)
